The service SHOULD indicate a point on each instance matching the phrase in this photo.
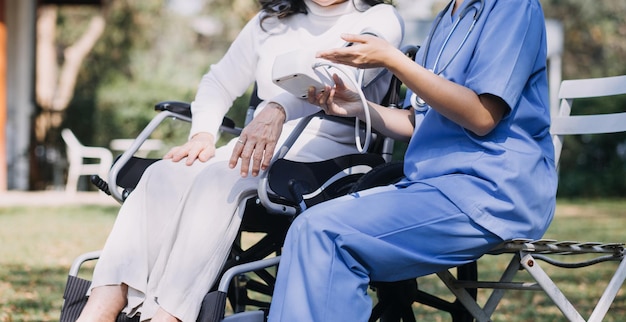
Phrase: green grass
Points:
(38, 245)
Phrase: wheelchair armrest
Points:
(177, 107)
(184, 109)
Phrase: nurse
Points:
(479, 168)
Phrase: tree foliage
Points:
(595, 36)
(59, 61)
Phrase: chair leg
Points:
(550, 288)
(72, 180)
(468, 272)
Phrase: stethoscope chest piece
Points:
(418, 103)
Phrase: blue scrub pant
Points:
(334, 249)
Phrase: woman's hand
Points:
(340, 101)
(200, 147)
(257, 141)
(337, 100)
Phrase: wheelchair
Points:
(286, 189)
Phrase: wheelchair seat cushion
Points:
(319, 181)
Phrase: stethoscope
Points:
(417, 102)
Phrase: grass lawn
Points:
(37, 247)
(38, 244)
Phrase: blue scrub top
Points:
(505, 181)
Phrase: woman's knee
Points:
(163, 170)
(169, 174)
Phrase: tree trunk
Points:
(55, 84)
(54, 89)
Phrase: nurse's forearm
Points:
(456, 102)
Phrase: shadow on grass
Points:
(31, 293)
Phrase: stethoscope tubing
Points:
(416, 102)
(477, 13)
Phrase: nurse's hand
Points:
(200, 147)
(337, 100)
(366, 51)
(257, 142)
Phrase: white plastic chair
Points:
(529, 255)
(77, 154)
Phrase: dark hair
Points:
(285, 8)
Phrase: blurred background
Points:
(98, 67)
